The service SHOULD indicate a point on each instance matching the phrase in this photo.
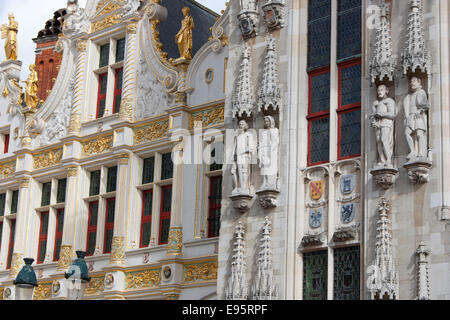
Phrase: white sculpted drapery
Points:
(269, 142)
(416, 108)
(383, 123)
(244, 148)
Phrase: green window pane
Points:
(120, 50)
(347, 273)
(315, 275)
(112, 180)
(104, 55)
(167, 167)
(149, 170)
(46, 192)
(94, 188)
(14, 201)
(61, 194)
(2, 204)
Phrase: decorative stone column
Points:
(75, 116)
(129, 72)
(20, 236)
(120, 218)
(65, 255)
(175, 245)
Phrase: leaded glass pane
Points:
(1, 234)
(214, 223)
(2, 204)
(320, 93)
(120, 50)
(57, 248)
(108, 244)
(14, 201)
(104, 55)
(61, 195)
(167, 200)
(319, 43)
(112, 180)
(315, 275)
(46, 192)
(60, 218)
(149, 170)
(111, 211)
(165, 226)
(42, 250)
(167, 167)
(94, 188)
(148, 204)
(103, 84)
(347, 273)
(91, 243)
(319, 9)
(216, 191)
(350, 143)
(351, 85)
(101, 108)
(146, 234)
(320, 140)
(44, 227)
(349, 29)
(94, 214)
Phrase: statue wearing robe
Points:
(244, 148)
(269, 141)
(9, 32)
(31, 89)
(184, 36)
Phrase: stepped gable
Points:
(204, 19)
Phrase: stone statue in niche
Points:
(244, 148)
(269, 141)
(383, 123)
(416, 108)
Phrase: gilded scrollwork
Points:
(47, 159)
(96, 285)
(2, 291)
(143, 279)
(175, 245)
(106, 22)
(118, 250)
(43, 291)
(209, 117)
(200, 272)
(16, 265)
(65, 257)
(151, 132)
(97, 146)
(7, 169)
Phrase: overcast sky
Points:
(32, 15)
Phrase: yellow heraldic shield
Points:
(317, 188)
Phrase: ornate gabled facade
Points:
(314, 136)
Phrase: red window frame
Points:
(91, 228)
(347, 108)
(212, 206)
(108, 225)
(117, 91)
(6, 146)
(315, 116)
(58, 235)
(101, 97)
(145, 219)
(42, 237)
(163, 215)
(11, 243)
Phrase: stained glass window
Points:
(319, 33)
(149, 170)
(349, 29)
(146, 224)
(92, 228)
(111, 185)
(61, 194)
(215, 205)
(2, 204)
(166, 207)
(350, 85)
(118, 90)
(46, 192)
(319, 141)
(315, 275)
(94, 188)
(43, 237)
(167, 167)
(350, 135)
(320, 93)
(102, 87)
(109, 227)
(59, 233)
(104, 55)
(14, 201)
(347, 273)
(120, 50)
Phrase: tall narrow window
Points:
(118, 90)
(215, 205)
(109, 225)
(167, 167)
(149, 170)
(315, 273)
(6, 144)
(61, 194)
(111, 185)
(146, 223)
(94, 187)
(59, 233)
(14, 201)
(102, 89)
(11, 243)
(43, 235)
(2, 204)
(319, 33)
(166, 208)
(349, 29)
(92, 228)
(1, 235)
(346, 273)
(216, 157)
(46, 193)
(104, 56)
(120, 50)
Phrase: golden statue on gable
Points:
(184, 36)
(31, 89)
(9, 32)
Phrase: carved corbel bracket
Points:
(312, 240)
(419, 171)
(385, 177)
(242, 202)
(273, 14)
(268, 199)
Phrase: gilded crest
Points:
(317, 189)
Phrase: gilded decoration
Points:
(200, 272)
(151, 132)
(118, 250)
(209, 117)
(9, 32)
(124, 159)
(72, 171)
(184, 36)
(65, 258)
(109, 8)
(132, 28)
(24, 183)
(143, 279)
(159, 45)
(43, 291)
(47, 159)
(2, 291)
(175, 245)
(16, 265)
(106, 23)
(7, 169)
(96, 285)
(97, 146)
